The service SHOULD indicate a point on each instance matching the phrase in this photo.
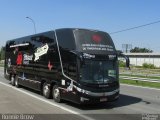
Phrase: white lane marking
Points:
(140, 87)
(53, 104)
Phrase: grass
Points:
(1, 65)
(142, 70)
(140, 83)
(141, 76)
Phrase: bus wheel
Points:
(16, 82)
(46, 91)
(12, 80)
(56, 94)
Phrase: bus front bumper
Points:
(89, 97)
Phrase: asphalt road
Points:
(134, 103)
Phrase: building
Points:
(137, 59)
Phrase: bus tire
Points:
(46, 91)
(56, 94)
(17, 82)
(12, 80)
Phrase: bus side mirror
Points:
(127, 62)
(120, 54)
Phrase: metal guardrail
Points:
(140, 79)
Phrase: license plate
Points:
(103, 99)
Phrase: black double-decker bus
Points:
(78, 65)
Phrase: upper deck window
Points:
(65, 39)
(93, 42)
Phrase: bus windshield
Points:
(98, 72)
(93, 42)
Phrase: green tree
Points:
(2, 52)
(141, 50)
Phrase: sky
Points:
(104, 15)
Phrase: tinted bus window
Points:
(44, 46)
(66, 39)
(42, 39)
(94, 42)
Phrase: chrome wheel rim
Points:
(16, 82)
(56, 93)
(45, 90)
(12, 80)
